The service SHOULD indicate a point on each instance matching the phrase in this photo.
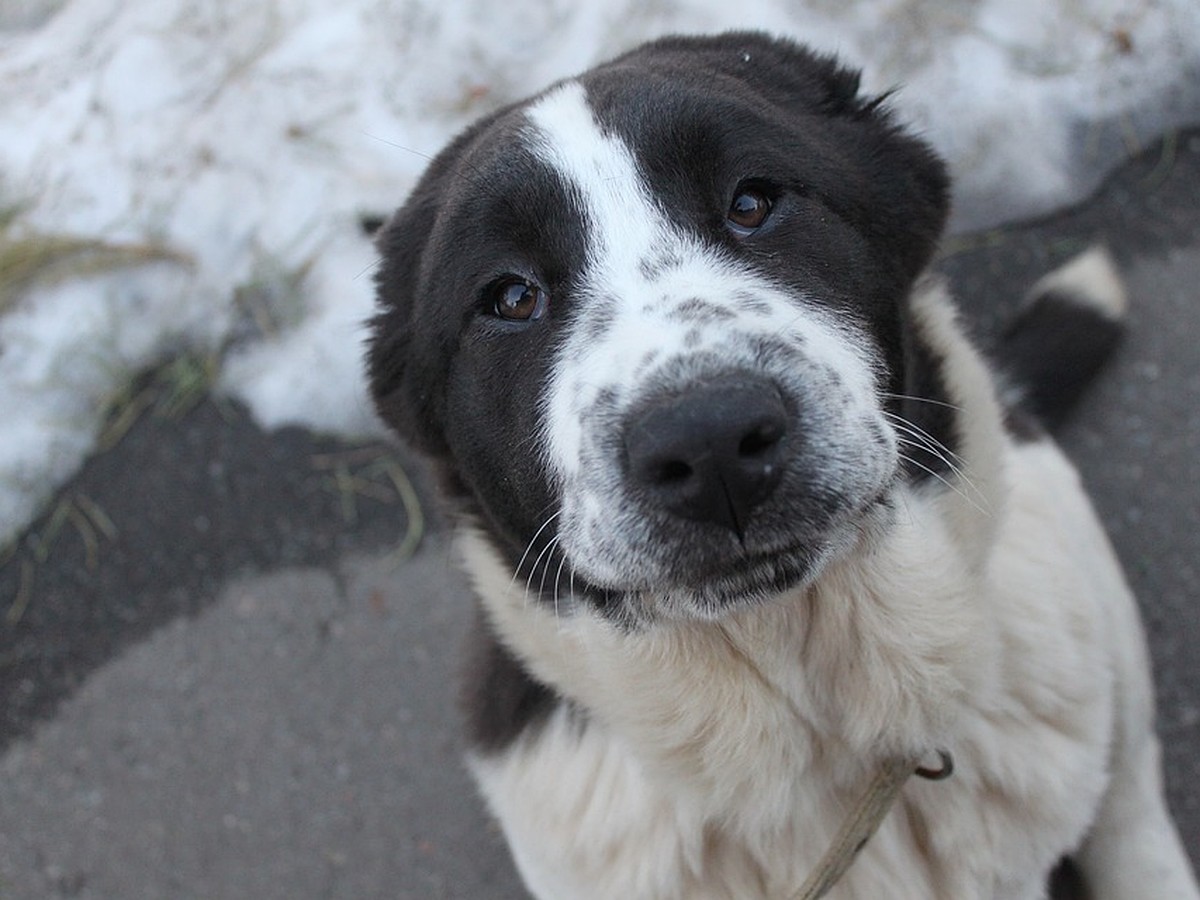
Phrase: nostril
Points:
(760, 441)
(672, 471)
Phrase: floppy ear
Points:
(401, 245)
(909, 190)
(905, 183)
(403, 373)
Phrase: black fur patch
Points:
(1054, 350)
(927, 428)
(1066, 883)
(446, 373)
(499, 699)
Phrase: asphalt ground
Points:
(225, 672)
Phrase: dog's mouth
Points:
(718, 581)
(745, 581)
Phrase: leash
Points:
(864, 820)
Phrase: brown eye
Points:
(518, 300)
(748, 211)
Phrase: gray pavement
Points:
(293, 740)
(219, 680)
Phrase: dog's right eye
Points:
(748, 211)
(518, 300)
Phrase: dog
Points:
(749, 517)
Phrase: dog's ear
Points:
(906, 185)
(402, 372)
(401, 244)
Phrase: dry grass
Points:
(272, 301)
(172, 390)
(29, 258)
(372, 472)
(72, 513)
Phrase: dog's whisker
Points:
(922, 440)
(545, 558)
(932, 451)
(529, 547)
(955, 463)
(916, 399)
(546, 554)
(917, 431)
(558, 581)
(933, 446)
(947, 483)
(955, 470)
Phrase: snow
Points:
(249, 138)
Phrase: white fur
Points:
(1090, 278)
(719, 757)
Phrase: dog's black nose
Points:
(712, 453)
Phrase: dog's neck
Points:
(871, 661)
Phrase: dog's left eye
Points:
(748, 211)
(518, 300)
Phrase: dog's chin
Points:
(747, 582)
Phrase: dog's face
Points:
(652, 325)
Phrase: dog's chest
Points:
(587, 817)
(592, 814)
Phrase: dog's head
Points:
(651, 321)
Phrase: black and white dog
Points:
(747, 514)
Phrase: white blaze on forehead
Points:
(623, 227)
(623, 224)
